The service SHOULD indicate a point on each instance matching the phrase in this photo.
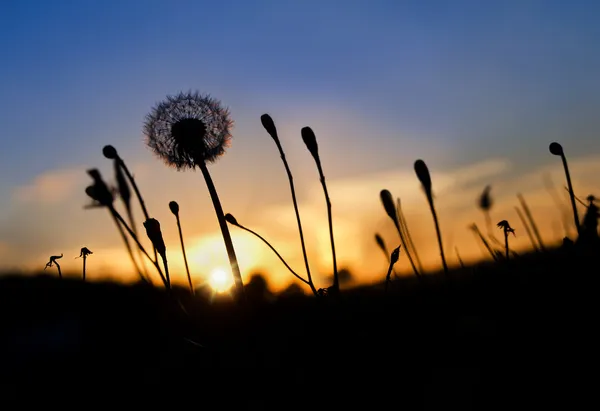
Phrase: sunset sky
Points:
(476, 89)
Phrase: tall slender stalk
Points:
(269, 126)
(237, 276)
(557, 150)
(534, 227)
(404, 227)
(480, 236)
(423, 174)
(310, 141)
(174, 207)
(381, 243)
(527, 230)
(388, 204)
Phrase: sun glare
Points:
(219, 280)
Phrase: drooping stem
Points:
(187, 268)
(237, 276)
(294, 273)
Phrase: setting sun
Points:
(219, 280)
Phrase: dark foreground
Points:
(514, 335)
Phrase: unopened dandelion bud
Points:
(311, 141)
(423, 175)
(155, 235)
(388, 204)
(174, 207)
(395, 255)
(269, 125)
(110, 152)
(556, 149)
(231, 219)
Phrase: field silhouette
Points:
(515, 330)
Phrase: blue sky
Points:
(453, 82)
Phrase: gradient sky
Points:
(476, 89)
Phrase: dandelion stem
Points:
(336, 284)
(187, 268)
(237, 276)
(276, 253)
(438, 233)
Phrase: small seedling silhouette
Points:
(388, 204)
(53, 261)
(310, 140)
(393, 260)
(269, 125)
(233, 221)
(189, 131)
(425, 178)
(174, 207)
(506, 228)
(557, 150)
(84, 254)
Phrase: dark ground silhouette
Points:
(518, 333)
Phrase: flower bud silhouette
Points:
(110, 152)
(154, 233)
(556, 149)
(269, 125)
(309, 138)
(423, 175)
(174, 207)
(231, 219)
(393, 260)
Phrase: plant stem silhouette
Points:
(531, 221)
(310, 140)
(84, 254)
(527, 230)
(404, 227)
(111, 153)
(235, 268)
(233, 221)
(388, 204)
(174, 207)
(505, 226)
(269, 126)
(423, 174)
(564, 212)
(460, 261)
(557, 150)
(473, 227)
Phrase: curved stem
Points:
(438, 232)
(237, 276)
(187, 268)
(276, 253)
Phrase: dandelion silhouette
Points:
(393, 260)
(505, 226)
(269, 126)
(527, 230)
(122, 174)
(233, 221)
(174, 207)
(532, 223)
(388, 204)
(153, 232)
(310, 140)
(381, 243)
(188, 131)
(53, 261)
(423, 174)
(404, 227)
(103, 197)
(557, 150)
(84, 254)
